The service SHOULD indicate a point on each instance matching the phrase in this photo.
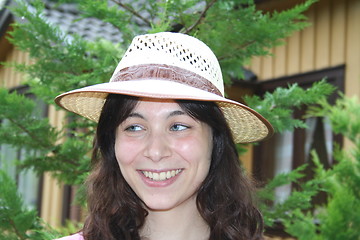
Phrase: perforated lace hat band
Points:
(169, 66)
(169, 73)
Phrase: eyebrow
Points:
(137, 115)
(172, 114)
(176, 113)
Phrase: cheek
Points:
(125, 151)
(187, 147)
(196, 149)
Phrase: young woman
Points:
(165, 164)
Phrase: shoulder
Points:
(77, 236)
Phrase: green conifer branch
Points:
(200, 17)
(132, 10)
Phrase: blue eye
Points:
(133, 128)
(178, 127)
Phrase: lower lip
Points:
(164, 183)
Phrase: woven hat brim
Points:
(245, 123)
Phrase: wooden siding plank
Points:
(246, 159)
(2, 76)
(51, 207)
(338, 32)
(255, 65)
(280, 60)
(293, 54)
(322, 42)
(267, 66)
(352, 77)
(10, 78)
(307, 44)
(2, 84)
(14, 75)
(53, 191)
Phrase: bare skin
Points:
(164, 154)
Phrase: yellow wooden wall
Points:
(8, 77)
(332, 39)
(52, 195)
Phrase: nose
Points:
(157, 147)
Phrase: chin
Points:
(162, 204)
(159, 206)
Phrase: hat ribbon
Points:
(165, 72)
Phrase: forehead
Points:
(155, 100)
(156, 106)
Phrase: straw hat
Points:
(170, 66)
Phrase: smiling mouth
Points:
(161, 176)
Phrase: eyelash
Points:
(134, 128)
(131, 128)
(179, 125)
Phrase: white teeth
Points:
(162, 175)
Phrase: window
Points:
(29, 184)
(287, 151)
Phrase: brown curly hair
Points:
(225, 199)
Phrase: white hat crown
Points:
(174, 49)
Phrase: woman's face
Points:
(163, 153)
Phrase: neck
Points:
(182, 222)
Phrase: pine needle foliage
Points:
(23, 129)
(16, 221)
(61, 62)
(290, 208)
(66, 62)
(338, 218)
(278, 107)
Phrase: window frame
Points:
(333, 75)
